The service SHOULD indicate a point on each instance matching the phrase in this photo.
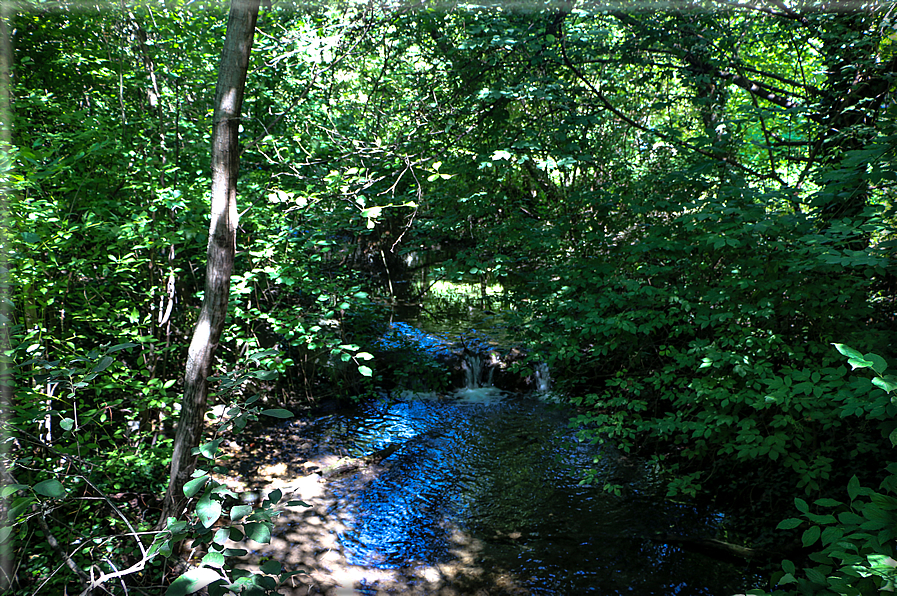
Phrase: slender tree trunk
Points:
(221, 248)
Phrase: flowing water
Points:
(483, 496)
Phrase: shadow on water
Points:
(482, 496)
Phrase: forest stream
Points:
(479, 493)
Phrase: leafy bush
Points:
(698, 331)
(855, 539)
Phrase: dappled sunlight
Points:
(308, 539)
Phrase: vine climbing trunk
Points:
(221, 248)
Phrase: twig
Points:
(54, 544)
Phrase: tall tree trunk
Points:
(221, 248)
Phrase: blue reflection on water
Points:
(504, 473)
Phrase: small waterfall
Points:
(476, 373)
(541, 378)
(478, 380)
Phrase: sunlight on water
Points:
(491, 480)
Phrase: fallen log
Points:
(716, 549)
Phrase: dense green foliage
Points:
(687, 206)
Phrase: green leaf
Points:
(238, 512)
(856, 363)
(5, 531)
(208, 510)
(104, 363)
(210, 449)
(18, 507)
(811, 535)
(879, 364)
(277, 413)
(789, 524)
(260, 532)
(893, 437)
(213, 559)
(889, 384)
(848, 351)
(123, 346)
(275, 495)
(853, 488)
(66, 424)
(10, 489)
(192, 581)
(849, 518)
(827, 503)
(801, 505)
(816, 576)
(50, 488)
(194, 486)
(365, 371)
(271, 567)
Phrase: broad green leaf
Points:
(210, 449)
(853, 488)
(66, 424)
(213, 559)
(221, 536)
(5, 531)
(264, 354)
(192, 581)
(260, 532)
(893, 437)
(787, 579)
(789, 524)
(277, 413)
(271, 567)
(275, 495)
(801, 505)
(848, 351)
(18, 507)
(815, 576)
(827, 503)
(10, 489)
(365, 371)
(811, 535)
(889, 383)
(194, 486)
(123, 346)
(849, 518)
(50, 488)
(208, 510)
(238, 512)
(879, 364)
(103, 364)
(856, 363)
